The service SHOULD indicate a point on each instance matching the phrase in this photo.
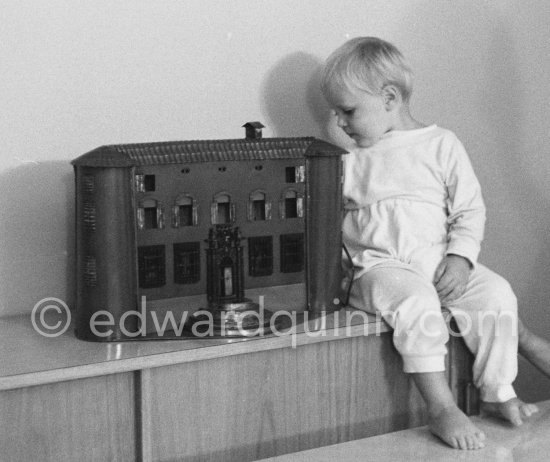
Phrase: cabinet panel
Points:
(459, 370)
(261, 404)
(80, 420)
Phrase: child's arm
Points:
(465, 206)
(466, 219)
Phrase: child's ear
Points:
(392, 96)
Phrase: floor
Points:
(529, 443)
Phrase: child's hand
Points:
(451, 277)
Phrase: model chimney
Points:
(253, 130)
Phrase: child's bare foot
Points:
(513, 410)
(454, 428)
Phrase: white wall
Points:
(77, 75)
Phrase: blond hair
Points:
(367, 63)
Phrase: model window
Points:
(151, 266)
(151, 221)
(223, 210)
(150, 214)
(187, 262)
(223, 215)
(259, 208)
(292, 204)
(139, 183)
(295, 174)
(149, 182)
(145, 183)
(184, 212)
(292, 253)
(260, 256)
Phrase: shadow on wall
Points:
(292, 98)
(37, 244)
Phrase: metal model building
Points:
(173, 219)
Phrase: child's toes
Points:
(470, 443)
(529, 409)
(511, 410)
(462, 444)
(515, 417)
(477, 441)
(480, 437)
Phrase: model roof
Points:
(177, 152)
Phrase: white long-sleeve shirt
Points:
(413, 193)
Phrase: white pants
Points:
(486, 316)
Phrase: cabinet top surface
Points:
(29, 358)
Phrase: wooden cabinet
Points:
(77, 420)
(213, 400)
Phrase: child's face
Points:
(363, 116)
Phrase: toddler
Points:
(413, 226)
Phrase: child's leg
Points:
(487, 318)
(447, 421)
(534, 348)
(409, 303)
